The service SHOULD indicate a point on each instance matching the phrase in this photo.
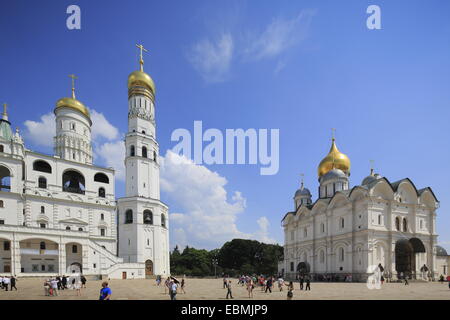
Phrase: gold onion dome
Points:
(140, 78)
(74, 104)
(334, 160)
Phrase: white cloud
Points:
(41, 133)
(213, 59)
(112, 155)
(279, 36)
(102, 127)
(209, 215)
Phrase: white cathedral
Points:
(347, 231)
(59, 214)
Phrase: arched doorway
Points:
(74, 258)
(303, 268)
(148, 268)
(407, 251)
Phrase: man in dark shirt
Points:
(269, 285)
(13, 283)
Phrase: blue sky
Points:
(303, 67)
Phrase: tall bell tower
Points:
(143, 218)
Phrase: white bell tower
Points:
(143, 218)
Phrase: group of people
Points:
(171, 284)
(8, 282)
(54, 285)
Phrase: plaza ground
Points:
(199, 289)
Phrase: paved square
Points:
(199, 289)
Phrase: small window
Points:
(102, 232)
(74, 249)
(305, 232)
(72, 126)
(292, 266)
(42, 209)
(67, 228)
(155, 157)
(43, 267)
(42, 182)
(2, 221)
(102, 217)
(101, 177)
(95, 266)
(6, 246)
(421, 224)
(80, 229)
(132, 151)
(148, 217)
(101, 193)
(341, 254)
(397, 223)
(148, 242)
(342, 223)
(322, 227)
(42, 245)
(1, 204)
(143, 131)
(43, 225)
(2, 148)
(129, 216)
(405, 225)
(144, 152)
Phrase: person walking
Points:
(47, 287)
(167, 285)
(173, 290)
(229, 293)
(225, 281)
(83, 281)
(290, 293)
(6, 282)
(301, 282)
(77, 285)
(13, 283)
(406, 280)
(280, 283)
(158, 280)
(269, 285)
(250, 287)
(308, 284)
(105, 292)
(183, 283)
(54, 286)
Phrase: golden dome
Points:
(140, 78)
(73, 104)
(334, 160)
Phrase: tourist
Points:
(280, 283)
(105, 291)
(308, 283)
(441, 279)
(6, 283)
(229, 293)
(59, 282)
(64, 282)
(77, 285)
(406, 280)
(54, 286)
(47, 287)
(83, 281)
(13, 283)
(173, 289)
(158, 280)
(183, 283)
(225, 281)
(167, 285)
(250, 287)
(290, 293)
(301, 282)
(269, 285)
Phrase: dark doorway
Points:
(148, 268)
(405, 255)
(303, 268)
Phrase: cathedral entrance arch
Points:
(303, 268)
(75, 268)
(406, 253)
(148, 268)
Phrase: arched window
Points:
(163, 220)
(101, 177)
(80, 229)
(101, 192)
(322, 227)
(72, 126)
(148, 217)
(42, 245)
(5, 179)
(421, 224)
(305, 232)
(397, 223)
(342, 223)
(2, 148)
(73, 181)
(144, 152)
(102, 217)
(155, 158)
(42, 209)
(322, 256)
(379, 219)
(405, 225)
(1, 204)
(341, 254)
(42, 183)
(132, 151)
(129, 216)
(42, 166)
(143, 131)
